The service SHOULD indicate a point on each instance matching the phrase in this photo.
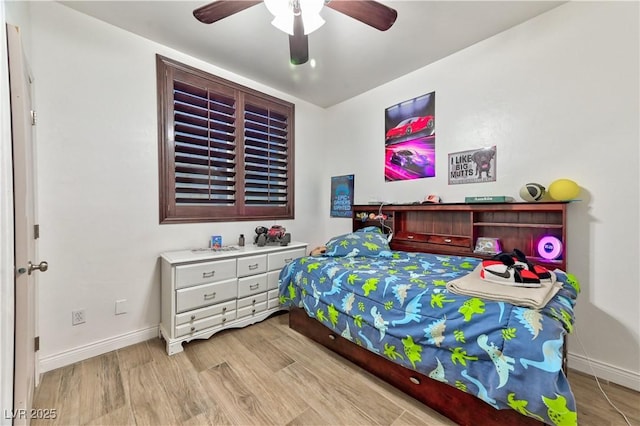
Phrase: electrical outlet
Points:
(78, 317)
(121, 306)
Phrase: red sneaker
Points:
(509, 273)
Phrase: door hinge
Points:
(36, 232)
(36, 344)
(34, 118)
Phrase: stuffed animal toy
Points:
(318, 251)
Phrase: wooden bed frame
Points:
(446, 229)
(461, 407)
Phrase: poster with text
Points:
(342, 196)
(410, 139)
(474, 166)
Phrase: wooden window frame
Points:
(169, 71)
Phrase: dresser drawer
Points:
(411, 236)
(252, 300)
(273, 299)
(273, 278)
(444, 240)
(277, 261)
(252, 285)
(252, 310)
(198, 314)
(205, 295)
(252, 265)
(205, 323)
(201, 273)
(449, 241)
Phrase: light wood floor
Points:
(265, 374)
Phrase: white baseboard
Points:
(100, 347)
(617, 375)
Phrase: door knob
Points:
(42, 267)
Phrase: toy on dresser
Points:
(275, 236)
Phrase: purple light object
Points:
(549, 247)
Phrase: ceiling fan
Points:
(300, 17)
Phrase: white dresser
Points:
(206, 291)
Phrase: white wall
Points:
(559, 97)
(98, 182)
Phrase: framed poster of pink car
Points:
(410, 139)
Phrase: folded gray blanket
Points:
(531, 297)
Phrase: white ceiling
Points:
(350, 57)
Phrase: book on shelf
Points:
(489, 199)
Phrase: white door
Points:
(22, 120)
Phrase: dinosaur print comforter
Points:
(398, 307)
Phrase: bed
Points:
(476, 361)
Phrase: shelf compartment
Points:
(520, 218)
(519, 225)
(434, 222)
(410, 245)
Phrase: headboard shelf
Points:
(455, 228)
(519, 225)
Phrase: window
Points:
(225, 151)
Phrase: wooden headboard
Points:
(455, 228)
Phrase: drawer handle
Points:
(210, 296)
(410, 237)
(288, 260)
(224, 320)
(332, 336)
(252, 267)
(193, 329)
(224, 309)
(208, 274)
(414, 380)
(253, 311)
(193, 317)
(447, 240)
(253, 302)
(254, 286)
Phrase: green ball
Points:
(563, 190)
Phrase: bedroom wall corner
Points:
(98, 181)
(554, 108)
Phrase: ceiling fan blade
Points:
(298, 42)
(369, 12)
(212, 12)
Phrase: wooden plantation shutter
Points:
(266, 156)
(204, 132)
(226, 152)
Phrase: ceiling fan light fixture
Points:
(279, 7)
(283, 23)
(298, 18)
(311, 18)
(284, 11)
(311, 22)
